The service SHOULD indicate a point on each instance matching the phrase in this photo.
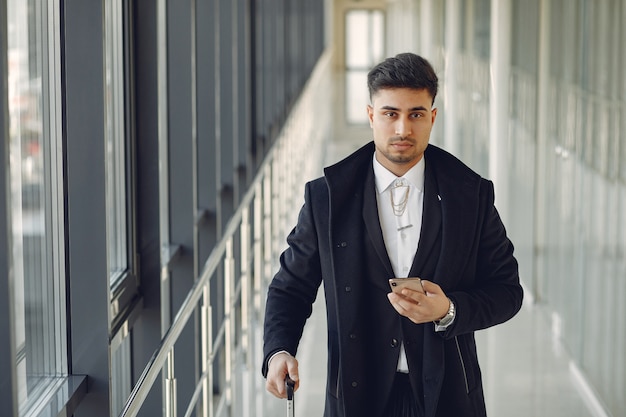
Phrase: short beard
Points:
(399, 159)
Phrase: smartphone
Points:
(412, 283)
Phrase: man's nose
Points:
(403, 128)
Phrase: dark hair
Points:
(405, 70)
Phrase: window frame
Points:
(42, 361)
(124, 283)
(8, 397)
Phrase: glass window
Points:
(525, 35)
(364, 48)
(482, 25)
(36, 196)
(364, 38)
(119, 142)
(116, 143)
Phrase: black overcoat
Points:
(463, 247)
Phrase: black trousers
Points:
(402, 402)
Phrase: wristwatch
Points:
(447, 319)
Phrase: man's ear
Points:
(370, 114)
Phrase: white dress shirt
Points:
(401, 233)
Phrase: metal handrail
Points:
(156, 362)
(258, 186)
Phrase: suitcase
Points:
(290, 384)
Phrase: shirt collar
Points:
(384, 177)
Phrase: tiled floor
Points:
(526, 373)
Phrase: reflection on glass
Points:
(39, 323)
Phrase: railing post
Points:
(229, 339)
(268, 253)
(258, 296)
(170, 386)
(258, 246)
(207, 352)
(168, 381)
(246, 303)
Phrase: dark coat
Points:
(338, 240)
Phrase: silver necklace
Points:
(400, 207)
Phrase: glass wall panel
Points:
(474, 84)
(525, 35)
(473, 97)
(121, 377)
(482, 29)
(119, 139)
(522, 140)
(36, 196)
(618, 380)
(584, 204)
(116, 177)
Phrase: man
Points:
(397, 207)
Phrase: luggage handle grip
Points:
(290, 385)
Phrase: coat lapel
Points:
(459, 211)
(352, 191)
(431, 228)
(372, 224)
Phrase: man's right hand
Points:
(280, 366)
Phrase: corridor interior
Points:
(526, 371)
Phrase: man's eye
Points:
(417, 115)
(389, 114)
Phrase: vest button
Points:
(355, 384)
(394, 343)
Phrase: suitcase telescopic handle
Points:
(290, 385)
